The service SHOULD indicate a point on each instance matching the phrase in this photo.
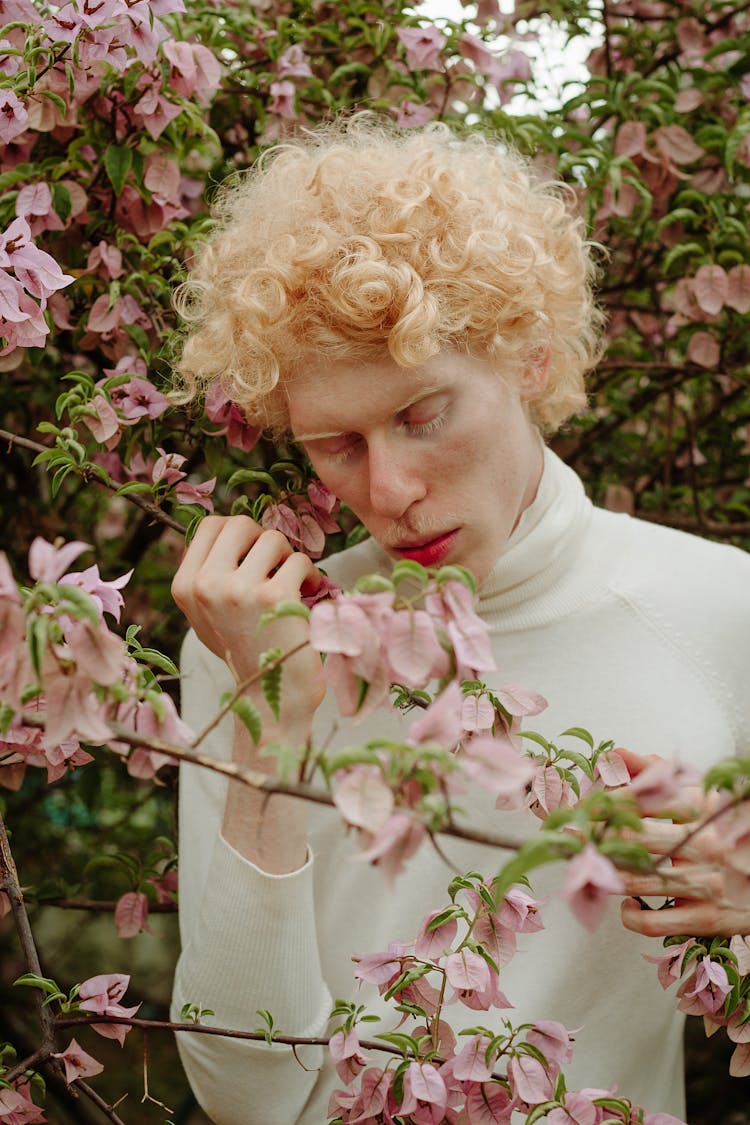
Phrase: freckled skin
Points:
(420, 452)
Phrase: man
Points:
(416, 310)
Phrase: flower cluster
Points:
(65, 677)
(516, 1074)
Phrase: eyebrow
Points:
(424, 393)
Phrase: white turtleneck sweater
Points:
(637, 632)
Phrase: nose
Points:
(396, 480)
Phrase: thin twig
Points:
(147, 506)
(241, 688)
(98, 1101)
(271, 785)
(10, 884)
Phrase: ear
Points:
(535, 375)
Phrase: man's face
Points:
(438, 462)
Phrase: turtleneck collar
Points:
(539, 558)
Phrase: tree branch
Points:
(147, 506)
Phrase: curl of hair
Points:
(358, 241)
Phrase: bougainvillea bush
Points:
(118, 119)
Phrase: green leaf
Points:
(118, 160)
(248, 713)
(579, 732)
(37, 634)
(284, 609)
(456, 574)
(252, 476)
(44, 984)
(82, 601)
(373, 584)
(157, 659)
(271, 684)
(409, 570)
(406, 1043)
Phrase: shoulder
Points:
(695, 595)
(679, 571)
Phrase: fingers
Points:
(636, 763)
(689, 882)
(707, 919)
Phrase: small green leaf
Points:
(579, 732)
(132, 486)
(44, 984)
(455, 573)
(409, 570)
(118, 160)
(284, 609)
(157, 659)
(271, 684)
(248, 713)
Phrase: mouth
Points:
(431, 552)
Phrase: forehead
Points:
(342, 397)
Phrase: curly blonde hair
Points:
(358, 241)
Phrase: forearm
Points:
(269, 831)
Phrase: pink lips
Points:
(431, 553)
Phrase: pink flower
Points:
(108, 257)
(103, 422)
(423, 1084)
(530, 1080)
(293, 63)
(669, 964)
(164, 724)
(577, 1109)
(98, 654)
(196, 70)
(17, 1109)
(433, 944)
(471, 1065)
(498, 767)
(589, 880)
(440, 723)
(410, 115)
(362, 797)
(227, 414)
(106, 595)
(13, 116)
(553, 1040)
(200, 494)
(381, 968)
(77, 1063)
(48, 563)
(154, 112)
(393, 844)
(37, 271)
(34, 203)
(71, 707)
(710, 987)
(167, 467)
(131, 913)
(101, 995)
(283, 94)
(346, 1056)
(139, 399)
(423, 47)
(454, 606)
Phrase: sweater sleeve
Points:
(248, 941)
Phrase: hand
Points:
(232, 572)
(708, 879)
